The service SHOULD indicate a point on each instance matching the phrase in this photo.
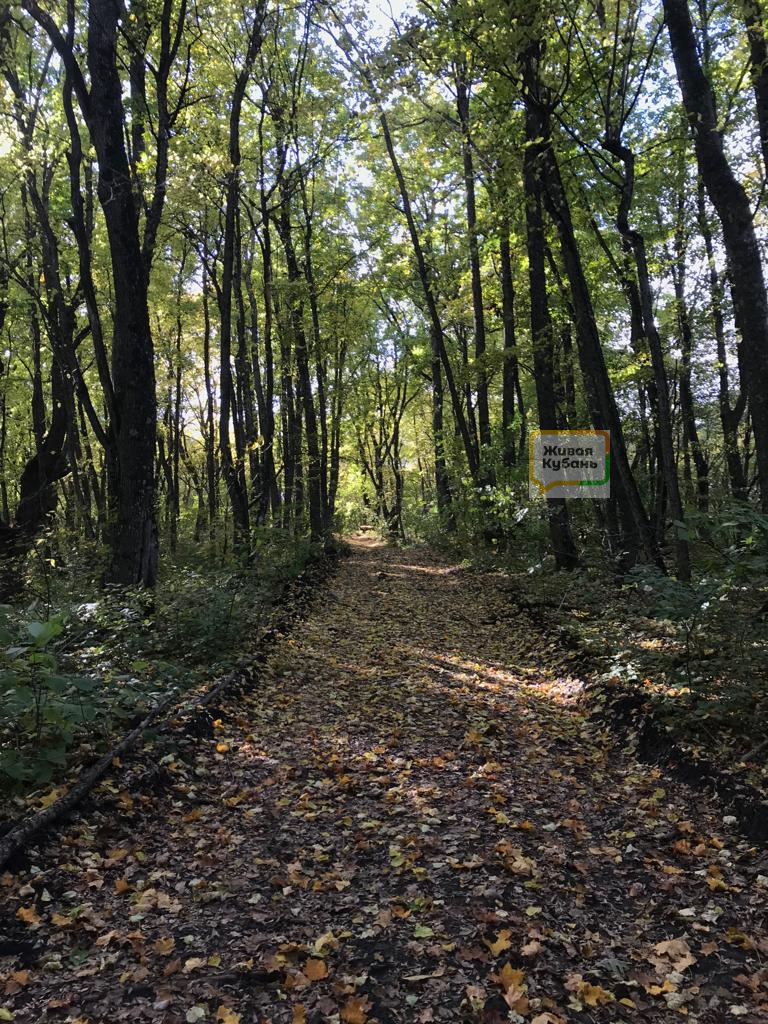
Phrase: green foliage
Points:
(43, 710)
(698, 650)
(71, 681)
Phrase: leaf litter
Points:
(405, 821)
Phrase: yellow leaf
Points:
(227, 1016)
(508, 977)
(738, 938)
(28, 915)
(659, 990)
(502, 942)
(300, 1014)
(50, 798)
(165, 946)
(61, 921)
(533, 911)
(593, 995)
(316, 970)
(329, 940)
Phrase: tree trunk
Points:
(133, 529)
(691, 439)
(730, 416)
(566, 555)
(634, 242)
(730, 200)
(303, 378)
(758, 68)
(600, 397)
(437, 335)
(232, 465)
(511, 374)
(209, 427)
(481, 376)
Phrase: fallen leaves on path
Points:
(403, 822)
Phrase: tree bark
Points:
(691, 439)
(730, 415)
(463, 94)
(511, 374)
(303, 378)
(600, 397)
(634, 242)
(232, 464)
(542, 337)
(730, 200)
(758, 68)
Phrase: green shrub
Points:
(42, 710)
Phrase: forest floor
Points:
(409, 818)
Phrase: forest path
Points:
(406, 821)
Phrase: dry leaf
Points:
(316, 970)
(28, 915)
(355, 1010)
(502, 942)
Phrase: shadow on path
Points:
(404, 822)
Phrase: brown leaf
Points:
(355, 1010)
(316, 970)
(171, 968)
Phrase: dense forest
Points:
(283, 283)
(277, 269)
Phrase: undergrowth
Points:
(693, 654)
(78, 668)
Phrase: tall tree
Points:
(730, 200)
